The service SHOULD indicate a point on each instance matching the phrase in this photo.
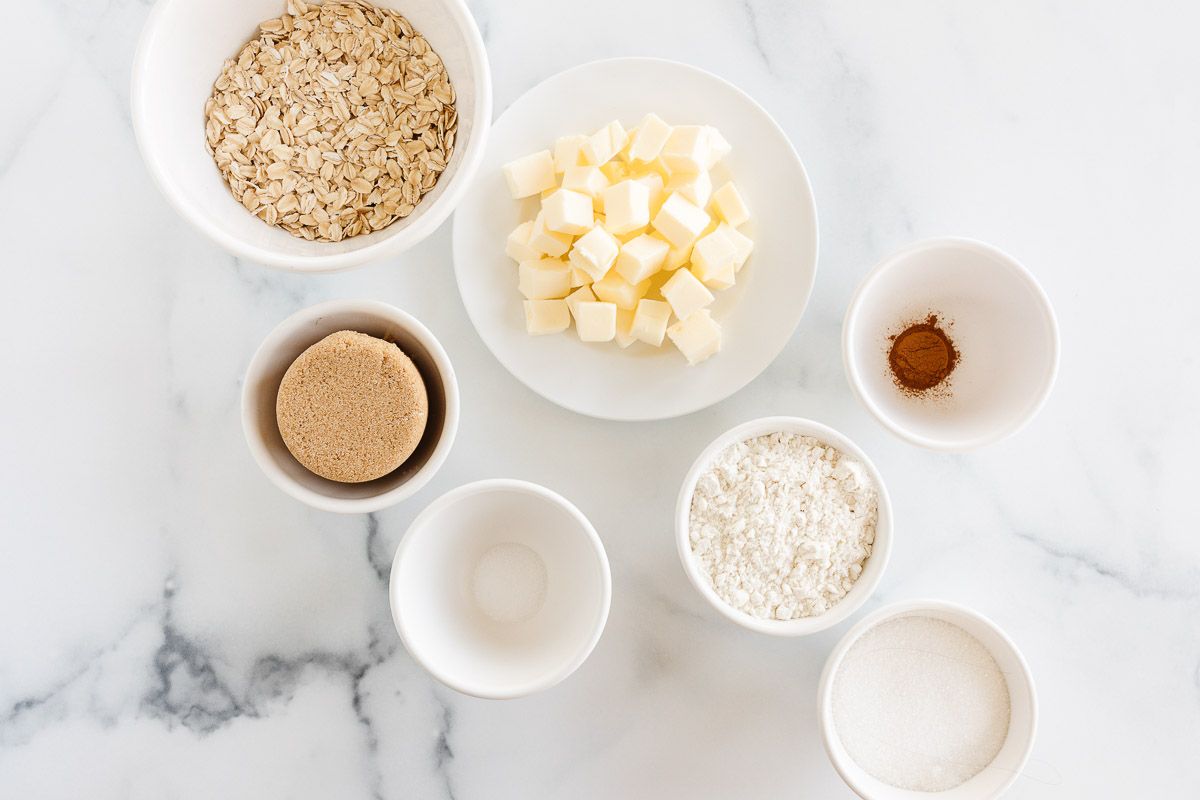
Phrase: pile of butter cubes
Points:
(629, 235)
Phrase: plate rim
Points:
(687, 408)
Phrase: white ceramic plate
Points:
(757, 316)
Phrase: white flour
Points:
(782, 524)
(509, 582)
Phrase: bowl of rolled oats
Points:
(312, 137)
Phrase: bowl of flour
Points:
(784, 525)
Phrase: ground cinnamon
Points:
(922, 356)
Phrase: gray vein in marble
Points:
(443, 753)
(756, 36)
(376, 553)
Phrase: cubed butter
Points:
(544, 279)
(718, 147)
(626, 207)
(641, 257)
(568, 212)
(680, 221)
(585, 180)
(624, 335)
(677, 257)
(546, 316)
(615, 171)
(596, 322)
(517, 245)
(685, 293)
(530, 175)
(544, 240)
(687, 149)
(657, 186)
(605, 143)
(697, 337)
(568, 152)
(580, 295)
(595, 252)
(578, 276)
(650, 321)
(727, 202)
(647, 142)
(743, 245)
(713, 259)
(696, 187)
(615, 289)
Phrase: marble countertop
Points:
(172, 626)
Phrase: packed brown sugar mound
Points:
(352, 408)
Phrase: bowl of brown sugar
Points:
(951, 343)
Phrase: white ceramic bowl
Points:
(1022, 728)
(441, 624)
(296, 334)
(1002, 325)
(872, 571)
(757, 316)
(180, 54)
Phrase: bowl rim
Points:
(891, 611)
(805, 186)
(356, 505)
(854, 376)
(389, 245)
(421, 524)
(884, 528)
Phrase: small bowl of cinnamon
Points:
(951, 344)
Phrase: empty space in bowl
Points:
(278, 355)
(446, 623)
(183, 58)
(997, 319)
(1010, 759)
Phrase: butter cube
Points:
(657, 186)
(546, 316)
(686, 293)
(605, 143)
(650, 321)
(580, 295)
(616, 171)
(596, 322)
(615, 289)
(647, 142)
(687, 149)
(568, 212)
(727, 202)
(680, 220)
(585, 180)
(544, 279)
(641, 257)
(697, 337)
(517, 245)
(743, 245)
(626, 207)
(579, 277)
(624, 335)
(713, 260)
(544, 240)
(677, 257)
(568, 152)
(530, 175)
(718, 147)
(697, 187)
(595, 252)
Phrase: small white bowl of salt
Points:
(925, 699)
(500, 588)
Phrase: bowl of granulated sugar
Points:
(927, 699)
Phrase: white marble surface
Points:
(174, 627)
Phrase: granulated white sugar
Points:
(920, 704)
(509, 583)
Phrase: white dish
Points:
(1022, 726)
(433, 605)
(758, 315)
(1002, 324)
(295, 335)
(182, 48)
(872, 571)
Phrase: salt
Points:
(509, 583)
(920, 704)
